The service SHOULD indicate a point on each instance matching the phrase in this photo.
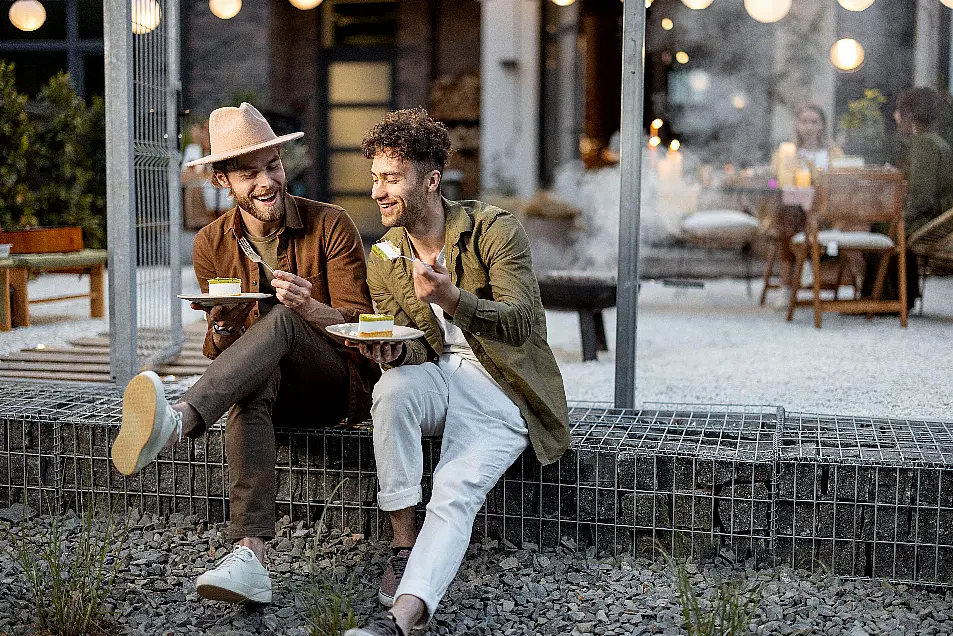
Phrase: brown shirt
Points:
(321, 244)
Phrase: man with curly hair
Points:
(483, 376)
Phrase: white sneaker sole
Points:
(386, 601)
(139, 404)
(228, 591)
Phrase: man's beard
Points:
(413, 210)
(268, 214)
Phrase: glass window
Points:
(359, 82)
(95, 69)
(90, 17)
(365, 214)
(34, 69)
(348, 125)
(362, 23)
(350, 172)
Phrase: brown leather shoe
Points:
(392, 575)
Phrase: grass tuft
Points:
(729, 612)
(328, 595)
(70, 567)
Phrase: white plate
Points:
(207, 300)
(349, 330)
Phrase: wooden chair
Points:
(846, 205)
(933, 245)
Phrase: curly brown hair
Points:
(411, 134)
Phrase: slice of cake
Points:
(224, 286)
(375, 326)
(385, 250)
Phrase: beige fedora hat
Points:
(238, 131)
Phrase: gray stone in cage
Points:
(798, 481)
(894, 561)
(639, 472)
(644, 510)
(795, 518)
(932, 526)
(886, 523)
(934, 487)
(742, 507)
(842, 558)
(846, 483)
(694, 509)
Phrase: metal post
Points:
(633, 36)
(120, 190)
(175, 172)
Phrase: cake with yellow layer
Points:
(224, 286)
(375, 326)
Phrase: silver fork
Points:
(253, 255)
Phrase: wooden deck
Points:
(87, 360)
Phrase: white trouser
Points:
(483, 434)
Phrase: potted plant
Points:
(862, 127)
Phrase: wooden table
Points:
(15, 273)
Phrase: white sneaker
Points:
(237, 578)
(148, 422)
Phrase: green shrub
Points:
(17, 133)
(54, 171)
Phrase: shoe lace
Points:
(235, 556)
(177, 419)
(398, 563)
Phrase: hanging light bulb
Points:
(145, 16)
(855, 5)
(305, 5)
(563, 3)
(225, 9)
(697, 4)
(27, 15)
(767, 10)
(847, 54)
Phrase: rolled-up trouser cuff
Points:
(390, 502)
(237, 534)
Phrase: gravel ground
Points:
(501, 589)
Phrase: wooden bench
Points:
(15, 272)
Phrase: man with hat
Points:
(272, 360)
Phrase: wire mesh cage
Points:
(686, 480)
(857, 497)
(866, 497)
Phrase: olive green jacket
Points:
(929, 175)
(500, 313)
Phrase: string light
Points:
(225, 9)
(27, 15)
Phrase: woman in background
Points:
(813, 151)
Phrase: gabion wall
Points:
(851, 496)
